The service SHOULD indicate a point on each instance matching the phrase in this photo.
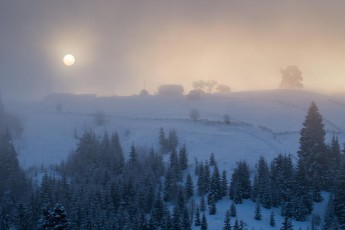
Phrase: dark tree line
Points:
(97, 188)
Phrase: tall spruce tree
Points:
(240, 185)
(272, 219)
(172, 141)
(212, 159)
(282, 180)
(227, 218)
(188, 187)
(257, 215)
(334, 161)
(163, 142)
(233, 211)
(215, 186)
(312, 151)
(197, 220)
(330, 219)
(212, 206)
(203, 222)
(224, 184)
(301, 203)
(263, 190)
(339, 196)
(183, 158)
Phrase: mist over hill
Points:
(260, 123)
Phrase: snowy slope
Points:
(263, 123)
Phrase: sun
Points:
(69, 60)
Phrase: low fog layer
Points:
(120, 46)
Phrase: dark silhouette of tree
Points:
(262, 191)
(282, 180)
(172, 141)
(257, 215)
(330, 218)
(189, 188)
(194, 114)
(291, 78)
(183, 157)
(312, 151)
(233, 211)
(203, 222)
(240, 185)
(197, 220)
(227, 224)
(100, 118)
(272, 219)
(286, 225)
(163, 142)
(212, 206)
(202, 204)
(200, 85)
(339, 196)
(54, 219)
(223, 184)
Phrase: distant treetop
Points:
(291, 78)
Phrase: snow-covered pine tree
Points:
(215, 186)
(233, 211)
(189, 187)
(54, 219)
(168, 185)
(339, 196)
(212, 159)
(157, 214)
(224, 184)
(263, 189)
(118, 158)
(257, 215)
(177, 218)
(301, 199)
(236, 225)
(334, 161)
(203, 222)
(272, 219)
(183, 158)
(197, 220)
(212, 206)
(227, 219)
(186, 223)
(202, 204)
(133, 157)
(175, 165)
(172, 141)
(196, 169)
(312, 151)
(330, 219)
(282, 180)
(240, 185)
(286, 225)
(163, 142)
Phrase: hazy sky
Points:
(120, 45)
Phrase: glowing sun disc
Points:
(68, 60)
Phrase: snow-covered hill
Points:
(262, 123)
